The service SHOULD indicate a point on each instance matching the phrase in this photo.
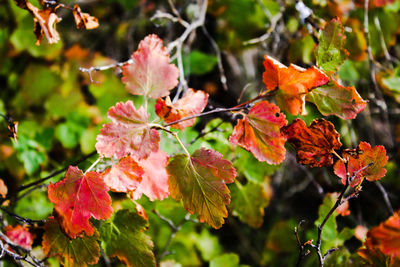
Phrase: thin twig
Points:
(385, 197)
(22, 219)
(23, 187)
(105, 67)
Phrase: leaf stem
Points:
(93, 165)
(338, 156)
(174, 135)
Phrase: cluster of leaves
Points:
(88, 211)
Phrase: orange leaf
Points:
(293, 82)
(314, 145)
(360, 158)
(259, 132)
(84, 19)
(78, 197)
(124, 176)
(150, 73)
(192, 103)
(3, 189)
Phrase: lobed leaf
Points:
(249, 202)
(200, 181)
(154, 182)
(192, 103)
(360, 158)
(330, 53)
(128, 133)
(314, 144)
(124, 237)
(84, 20)
(124, 176)
(77, 198)
(150, 73)
(338, 100)
(76, 252)
(259, 132)
(293, 83)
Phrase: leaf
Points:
(249, 202)
(314, 145)
(259, 132)
(124, 176)
(199, 63)
(84, 20)
(226, 260)
(75, 252)
(19, 235)
(330, 53)
(78, 197)
(192, 103)
(386, 237)
(150, 73)
(3, 189)
(128, 133)
(124, 237)
(293, 83)
(154, 182)
(44, 23)
(200, 181)
(360, 158)
(338, 100)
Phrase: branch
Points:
(23, 187)
(301, 245)
(22, 219)
(101, 68)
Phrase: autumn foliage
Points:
(151, 171)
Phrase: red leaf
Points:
(192, 103)
(386, 236)
(259, 132)
(358, 159)
(293, 82)
(124, 176)
(200, 181)
(79, 197)
(128, 133)
(19, 235)
(314, 145)
(150, 72)
(155, 178)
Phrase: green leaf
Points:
(226, 260)
(249, 202)
(330, 52)
(334, 99)
(200, 181)
(199, 63)
(35, 206)
(124, 237)
(75, 252)
(208, 245)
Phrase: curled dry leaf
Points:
(77, 198)
(259, 132)
(84, 20)
(200, 181)
(314, 144)
(44, 24)
(19, 235)
(128, 133)
(155, 177)
(192, 103)
(124, 176)
(358, 159)
(150, 73)
(293, 82)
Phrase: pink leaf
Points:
(150, 72)
(155, 179)
(128, 133)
